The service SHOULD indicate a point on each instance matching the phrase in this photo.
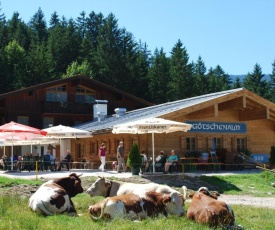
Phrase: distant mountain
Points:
(241, 77)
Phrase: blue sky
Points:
(235, 34)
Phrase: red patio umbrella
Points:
(13, 131)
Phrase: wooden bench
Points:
(82, 165)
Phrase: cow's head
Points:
(99, 187)
(205, 191)
(71, 184)
(174, 203)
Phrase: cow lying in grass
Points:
(54, 196)
(109, 188)
(206, 209)
(132, 206)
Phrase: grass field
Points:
(14, 212)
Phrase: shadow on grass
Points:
(221, 184)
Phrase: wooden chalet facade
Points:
(68, 101)
(236, 120)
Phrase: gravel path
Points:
(268, 202)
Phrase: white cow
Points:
(109, 188)
(55, 195)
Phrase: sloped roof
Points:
(167, 109)
(69, 79)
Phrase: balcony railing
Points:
(67, 107)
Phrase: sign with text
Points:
(259, 157)
(217, 127)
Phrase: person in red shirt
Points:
(102, 156)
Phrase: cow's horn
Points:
(79, 175)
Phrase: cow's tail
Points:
(102, 211)
(184, 191)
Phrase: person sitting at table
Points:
(173, 158)
(19, 163)
(66, 161)
(2, 165)
(160, 161)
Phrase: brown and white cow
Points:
(54, 196)
(206, 209)
(109, 188)
(132, 206)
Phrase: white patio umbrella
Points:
(151, 125)
(61, 131)
(65, 132)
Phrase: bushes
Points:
(134, 159)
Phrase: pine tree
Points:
(3, 30)
(81, 25)
(237, 83)
(181, 76)
(159, 78)
(37, 66)
(199, 71)
(54, 21)
(140, 80)
(255, 82)
(38, 27)
(272, 83)
(109, 56)
(223, 80)
(62, 47)
(19, 31)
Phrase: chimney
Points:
(120, 112)
(100, 109)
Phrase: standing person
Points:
(173, 158)
(120, 157)
(144, 164)
(102, 156)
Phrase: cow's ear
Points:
(166, 199)
(214, 196)
(216, 193)
(107, 184)
(191, 195)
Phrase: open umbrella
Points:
(151, 125)
(14, 131)
(65, 132)
(61, 131)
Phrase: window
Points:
(190, 143)
(218, 143)
(47, 122)
(241, 144)
(57, 94)
(93, 147)
(23, 120)
(84, 95)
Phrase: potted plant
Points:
(134, 160)
(271, 159)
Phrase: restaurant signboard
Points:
(217, 127)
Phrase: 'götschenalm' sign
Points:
(217, 127)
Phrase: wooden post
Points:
(36, 169)
(265, 174)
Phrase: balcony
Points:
(66, 107)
